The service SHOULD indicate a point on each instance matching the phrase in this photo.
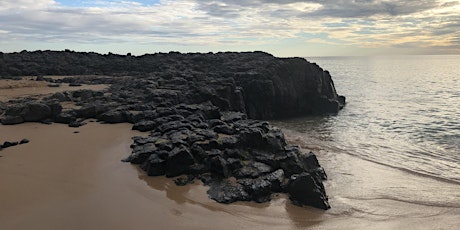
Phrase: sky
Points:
(303, 28)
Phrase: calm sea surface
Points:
(402, 111)
(394, 150)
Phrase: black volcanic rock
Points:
(250, 163)
(24, 141)
(27, 112)
(256, 83)
(200, 111)
(8, 144)
(303, 190)
(11, 120)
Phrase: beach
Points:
(73, 178)
(63, 179)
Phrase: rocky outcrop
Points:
(240, 159)
(30, 112)
(200, 110)
(257, 83)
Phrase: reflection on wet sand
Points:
(279, 213)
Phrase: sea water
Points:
(393, 152)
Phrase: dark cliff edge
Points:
(200, 110)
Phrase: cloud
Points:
(328, 8)
(233, 23)
(368, 8)
(25, 4)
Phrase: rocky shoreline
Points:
(203, 112)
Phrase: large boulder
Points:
(114, 116)
(11, 120)
(305, 189)
(27, 112)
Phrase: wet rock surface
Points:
(201, 113)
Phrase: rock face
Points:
(257, 83)
(200, 110)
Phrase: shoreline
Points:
(75, 186)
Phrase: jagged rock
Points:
(179, 161)
(154, 166)
(305, 189)
(114, 116)
(224, 191)
(86, 94)
(3, 106)
(311, 164)
(253, 169)
(225, 129)
(36, 112)
(65, 117)
(290, 161)
(12, 120)
(144, 126)
(233, 116)
(24, 141)
(261, 188)
(31, 111)
(142, 152)
(91, 110)
(219, 166)
(8, 144)
(76, 124)
(184, 180)
(61, 96)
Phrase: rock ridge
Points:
(203, 113)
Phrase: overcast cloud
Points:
(285, 28)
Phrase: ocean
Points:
(393, 152)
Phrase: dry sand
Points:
(27, 87)
(67, 180)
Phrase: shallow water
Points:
(393, 153)
(402, 111)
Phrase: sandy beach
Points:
(67, 180)
(72, 178)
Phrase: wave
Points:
(312, 143)
(416, 202)
(407, 170)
